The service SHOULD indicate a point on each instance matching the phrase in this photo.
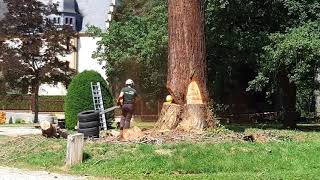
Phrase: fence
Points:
(146, 111)
(24, 102)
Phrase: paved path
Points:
(18, 131)
(17, 174)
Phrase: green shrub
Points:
(18, 121)
(79, 96)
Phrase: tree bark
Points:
(194, 117)
(187, 57)
(36, 103)
(187, 67)
(289, 101)
(49, 130)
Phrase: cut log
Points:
(194, 117)
(74, 149)
(131, 134)
(50, 130)
(169, 117)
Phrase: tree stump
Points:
(169, 117)
(194, 117)
(74, 149)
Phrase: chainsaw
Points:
(109, 109)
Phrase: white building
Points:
(80, 14)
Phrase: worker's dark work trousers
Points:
(127, 111)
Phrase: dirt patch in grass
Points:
(165, 152)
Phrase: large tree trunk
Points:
(187, 67)
(187, 57)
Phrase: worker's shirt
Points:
(129, 95)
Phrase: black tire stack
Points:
(89, 123)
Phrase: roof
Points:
(69, 6)
(93, 12)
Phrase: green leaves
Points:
(298, 53)
(37, 45)
(137, 35)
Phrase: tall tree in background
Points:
(135, 46)
(187, 66)
(34, 46)
(289, 67)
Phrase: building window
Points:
(66, 20)
(54, 20)
(71, 21)
(58, 20)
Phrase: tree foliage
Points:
(297, 52)
(238, 36)
(135, 45)
(34, 46)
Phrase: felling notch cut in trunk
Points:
(187, 117)
(194, 114)
(187, 70)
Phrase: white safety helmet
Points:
(129, 82)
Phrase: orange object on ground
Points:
(2, 117)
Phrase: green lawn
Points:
(294, 157)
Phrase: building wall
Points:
(80, 60)
(86, 47)
(52, 90)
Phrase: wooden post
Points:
(74, 149)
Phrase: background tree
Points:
(135, 46)
(34, 46)
(289, 66)
(237, 34)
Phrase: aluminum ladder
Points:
(98, 104)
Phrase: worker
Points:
(126, 100)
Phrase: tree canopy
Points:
(135, 45)
(33, 46)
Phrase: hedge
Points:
(79, 96)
